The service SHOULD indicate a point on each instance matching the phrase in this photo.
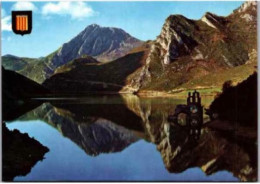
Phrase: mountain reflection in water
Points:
(110, 124)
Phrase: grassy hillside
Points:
(33, 68)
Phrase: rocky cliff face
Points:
(188, 49)
(175, 39)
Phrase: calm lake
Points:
(118, 138)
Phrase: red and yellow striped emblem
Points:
(21, 23)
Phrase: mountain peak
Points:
(207, 14)
(213, 20)
(207, 18)
(93, 25)
(100, 28)
(247, 11)
(102, 43)
(10, 55)
(247, 5)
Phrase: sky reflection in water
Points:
(67, 162)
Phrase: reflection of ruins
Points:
(110, 124)
(214, 151)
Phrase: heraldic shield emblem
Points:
(22, 22)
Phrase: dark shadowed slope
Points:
(79, 77)
(17, 91)
(237, 104)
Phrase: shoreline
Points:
(206, 92)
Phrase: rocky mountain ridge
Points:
(191, 49)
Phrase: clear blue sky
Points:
(56, 23)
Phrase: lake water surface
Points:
(113, 138)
